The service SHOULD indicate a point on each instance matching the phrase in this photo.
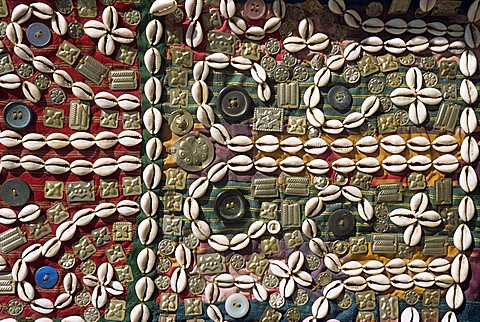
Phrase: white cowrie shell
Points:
(353, 120)
(152, 119)
(396, 266)
(352, 268)
(322, 77)
(372, 44)
(153, 90)
(370, 105)
(436, 28)
(153, 60)
(33, 141)
(42, 305)
(19, 270)
(318, 247)
(317, 42)
(311, 97)
(444, 281)
(31, 163)
(81, 167)
(305, 28)
(257, 229)
(419, 163)
(394, 163)
(241, 63)
(255, 33)
(200, 92)
(342, 146)
(454, 297)
(472, 36)
(473, 13)
(439, 44)
(84, 216)
(368, 165)
(62, 78)
(163, 7)
(239, 241)
(439, 265)
(139, 313)
(57, 166)
(330, 193)
(446, 163)
(146, 260)
(105, 166)
(279, 8)
(352, 18)
(352, 193)
(337, 6)
(212, 292)
(267, 143)
(240, 163)
(154, 148)
(178, 281)
(332, 262)
(352, 51)
(365, 209)
(43, 64)
(292, 164)
(82, 140)
(10, 162)
(31, 92)
(65, 231)
(396, 26)
(31, 253)
(457, 47)
(214, 313)
(468, 63)
(468, 120)
(51, 247)
(466, 208)
(59, 23)
(373, 25)
(227, 8)
(449, 317)
(145, 287)
(320, 307)
(154, 32)
(194, 34)
(315, 146)
(127, 208)
(418, 144)
(333, 289)
(313, 207)
(237, 25)
(21, 13)
(217, 172)
(224, 280)
(410, 314)
(367, 144)
(25, 291)
(295, 44)
(309, 228)
(318, 166)
(469, 150)
(417, 26)
(402, 281)
(373, 267)
(14, 33)
(445, 143)
(291, 144)
(147, 231)
(217, 60)
(427, 5)
(378, 283)
(29, 213)
(220, 243)
(417, 44)
(244, 282)
(22, 51)
(193, 9)
(104, 210)
(355, 283)
(468, 92)
(105, 100)
(82, 91)
(343, 165)
(272, 24)
(129, 138)
(106, 139)
(191, 209)
(417, 266)
(335, 62)
(10, 81)
(460, 268)
(315, 117)
(152, 175)
(258, 73)
(198, 188)
(263, 91)
(462, 238)
(333, 126)
(395, 46)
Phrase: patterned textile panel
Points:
(220, 160)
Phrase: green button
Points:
(15, 192)
(17, 115)
(231, 205)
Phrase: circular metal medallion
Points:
(91, 314)
(394, 79)
(412, 297)
(430, 79)
(196, 284)
(67, 260)
(181, 122)
(191, 241)
(133, 17)
(374, 9)
(272, 46)
(401, 117)
(324, 278)
(268, 63)
(313, 262)
(276, 300)
(351, 75)
(58, 96)
(193, 152)
(162, 282)
(289, 60)
(237, 262)
(340, 247)
(301, 297)
(270, 281)
(25, 70)
(166, 247)
(286, 29)
(321, 182)
(43, 82)
(15, 307)
(381, 211)
(300, 73)
(82, 299)
(376, 85)
(407, 60)
(344, 301)
(380, 226)
(75, 30)
(88, 267)
(292, 315)
(163, 264)
(281, 73)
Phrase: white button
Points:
(237, 306)
(274, 227)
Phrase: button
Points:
(234, 103)
(15, 192)
(181, 122)
(17, 115)
(46, 277)
(231, 205)
(340, 97)
(341, 222)
(254, 9)
(237, 306)
(38, 34)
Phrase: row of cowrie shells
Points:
(368, 144)
(78, 140)
(49, 249)
(125, 101)
(101, 166)
(395, 266)
(148, 228)
(28, 213)
(446, 163)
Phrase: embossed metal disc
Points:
(193, 152)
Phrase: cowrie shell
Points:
(394, 163)
(21, 13)
(315, 146)
(396, 266)
(237, 25)
(335, 62)
(291, 144)
(373, 267)
(217, 61)
(462, 238)
(295, 44)
(378, 283)
(439, 265)
(34, 141)
(417, 26)
(127, 207)
(105, 166)
(454, 297)
(22, 51)
(473, 13)
(410, 314)
(255, 33)
(444, 281)
(106, 139)
(402, 281)
(352, 51)
(445, 143)
(81, 167)
(455, 30)
(240, 143)
(419, 163)
(313, 207)
(267, 143)
(318, 247)
(438, 44)
(352, 268)
(460, 268)
(42, 305)
(194, 34)
(241, 63)
(153, 60)
(394, 144)
(266, 165)
(342, 146)
(322, 77)
(62, 78)
(372, 44)
(333, 127)
(59, 23)
(153, 90)
(446, 163)
(472, 36)
(417, 44)
(82, 91)
(292, 164)
(193, 9)
(373, 25)
(146, 260)
(129, 163)
(31, 92)
(152, 119)
(82, 140)
(272, 24)
(315, 117)
(330, 193)
(56, 166)
(343, 165)
(333, 289)
(469, 150)
(105, 100)
(200, 92)
(395, 46)
(353, 120)
(332, 262)
(14, 33)
(227, 8)
(367, 144)
(43, 64)
(147, 231)
(468, 120)
(320, 307)
(468, 92)
(31, 163)
(57, 140)
(257, 229)
(318, 166)
(149, 203)
(365, 209)
(279, 8)
(436, 28)
(355, 283)
(163, 7)
(305, 28)
(368, 165)
(352, 193)
(370, 105)
(466, 208)
(129, 138)
(396, 26)
(426, 5)
(417, 266)
(418, 144)
(352, 18)
(337, 6)
(154, 32)
(145, 286)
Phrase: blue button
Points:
(17, 115)
(38, 34)
(46, 277)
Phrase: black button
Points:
(341, 222)
(230, 205)
(15, 192)
(234, 103)
(340, 98)
(17, 115)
